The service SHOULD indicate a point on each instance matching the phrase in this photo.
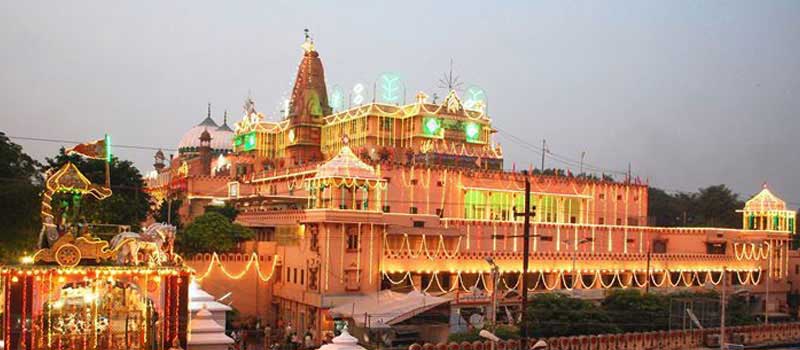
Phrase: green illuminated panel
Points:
(432, 126)
(249, 141)
(473, 132)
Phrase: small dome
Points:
(764, 201)
(221, 140)
(346, 165)
(205, 136)
(344, 341)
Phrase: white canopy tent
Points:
(386, 308)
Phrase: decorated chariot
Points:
(81, 292)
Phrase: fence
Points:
(663, 340)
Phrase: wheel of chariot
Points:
(68, 255)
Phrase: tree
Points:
(555, 315)
(227, 210)
(634, 311)
(211, 232)
(128, 205)
(164, 214)
(20, 185)
(716, 206)
(713, 206)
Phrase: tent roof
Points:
(387, 308)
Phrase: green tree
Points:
(632, 310)
(226, 210)
(554, 315)
(129, 205)
(169, 213)
(716, 206)
(20, 185)
(712, 206)
(211, 232)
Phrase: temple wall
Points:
(250, 295)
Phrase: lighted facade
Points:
(382, 196)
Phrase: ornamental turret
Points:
(204, 151)
(308, 104)
(766, 212)
(158, 162)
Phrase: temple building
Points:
(198, 175)
(415, 197)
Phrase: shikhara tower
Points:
(307, 107)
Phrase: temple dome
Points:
(764, 201)
(346, 165)
(221, 137)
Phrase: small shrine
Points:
(200, 299)
(346, 182)
(767, 212)
(344, 341)
(81, 292)
(207, 334)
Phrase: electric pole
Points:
(544, 150)
(526, 251)
(722, 316)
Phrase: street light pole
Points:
(495, 289)
(526, 251)
(574, 258)
(722, 316)
(769, 275)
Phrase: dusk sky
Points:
(691, 93)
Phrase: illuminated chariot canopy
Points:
(79, 291)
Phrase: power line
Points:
(41, 139)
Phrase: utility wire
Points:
(41, 139)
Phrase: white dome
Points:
(221, 137)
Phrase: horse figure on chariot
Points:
(156, 242)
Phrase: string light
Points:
(252, 262)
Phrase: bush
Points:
(556, 315)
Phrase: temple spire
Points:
(309, 98)
(308, 44)
(208, 121)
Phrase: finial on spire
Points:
(308, 44)
(209, 109)
(225, 117)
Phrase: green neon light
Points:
(108, 148)
(473, 131)
(250, 141)
(431, 126)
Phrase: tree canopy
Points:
(20, 185)
(211, 232)
(555, 315)
(712, 206)
(129, 205)
(168, 213)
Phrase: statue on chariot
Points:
(65, 241)
(87, 290)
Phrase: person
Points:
(309, 340)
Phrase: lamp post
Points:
(495, 278)
(574, 258)
(766, 287)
